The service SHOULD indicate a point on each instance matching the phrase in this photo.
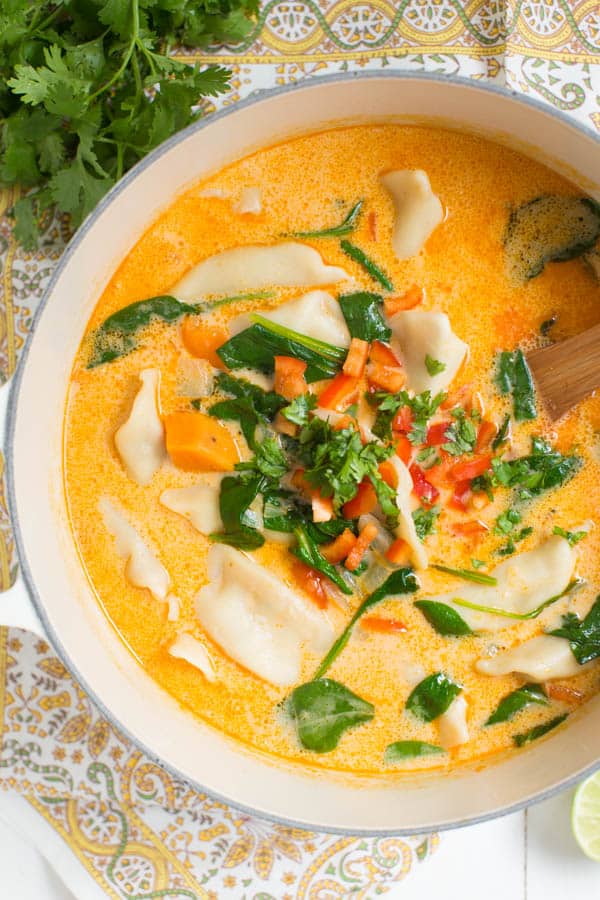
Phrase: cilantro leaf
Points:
(573, 537)
(542, 469)
(434, 366)
(582, 634)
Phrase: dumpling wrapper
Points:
(417, 334)
(540, 658)
(140, 441)
(316, 314)
(418, 210)
(289, 264)
(188, 648)
(406, 526)
(142, 568)
(524, 581)
(250, 202)
(199, 503)
(452, 725)
(256, 619)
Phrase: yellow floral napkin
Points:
(110, 821)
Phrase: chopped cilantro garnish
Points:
(542, 469)
(573, 537)
(434, 366)
(461, 435)
(423, 407)
(425, 520)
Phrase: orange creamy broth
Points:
(306, 183)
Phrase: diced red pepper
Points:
(382, 626)
(386, 378)
(312, 581)
(461, 496)
(289, 377)
(412, 297)
(403, 420)
(339, 393)
(436, 434)
(384, 355)
(356, 360)
(471, 528)
(388, 472)
(470, 468)
(363, 503)
(404, 449)
(421, 486)
(398, 552)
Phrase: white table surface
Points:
(527, 856)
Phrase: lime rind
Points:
(585, 816)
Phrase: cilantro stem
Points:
(135, 36)
(468, 575)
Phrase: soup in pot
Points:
(308, 473)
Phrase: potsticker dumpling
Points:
(418, 334)
(317, 315)
(187, 647)
(524, 582)
(418, 210)
(452, 725)
(140, 441)
(249, 268)
(540, 658)
(198, 503)
(256, 619)
(406, 526)
(142, 568)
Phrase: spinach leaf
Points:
(510, 705)
(513, 374)
(467, 574)
(503, 433)
(322, 710)
(347, 226)
(360, 257)
(115, 336)
(402, 581)
(573, 537)
(250, 407)
(538, 731)
(432, 696)
(542, 469)
(425, 520)
(443, 618)
(256, 347)
(362, 312)
(434, 366)
(401, 750)
(308, 551)
(549, 229)
(583, 634)
(235, 498)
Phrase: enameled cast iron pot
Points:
(55, 596)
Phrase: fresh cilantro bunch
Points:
(87, 88)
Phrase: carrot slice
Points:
(388, 472)
(470, 468)
(339, 549)
(372, 222)
(339, 393)
(388, 378)
(356, 360)
(471, 528)
(412, 298)
(203, 340)
(289, 377)
(558, 690)
(383, 354)
(398, 553)
(311, 581)
(404, 449)
(363, 503)
(363, 542)
(382, 626)
(199, 443)
(485, 435)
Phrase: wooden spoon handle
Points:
(568, 371)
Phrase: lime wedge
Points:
(585, 816)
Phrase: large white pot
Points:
(65, 603)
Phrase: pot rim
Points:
(69, 252)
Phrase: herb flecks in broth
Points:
(325, 440)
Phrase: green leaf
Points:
(347, 226)
(257, 346)
(461, 435)
(115, 336)
(425, 520)
(503, 433)
(544, 468)
(423, 406)
(443, 618)
(362, 312)
(401, 750)
(432, 697)
(538, 731)
(583, 634)
(308, 551)
(402, 581)
(467, 574)
(510, 705)
(300, 407)
(573, 537)
(322, 710)
(250, 407)
(513, 374)
(573, 585)
(434, 366)
(372, 269)
(235, 497)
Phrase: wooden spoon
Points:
(568, 371)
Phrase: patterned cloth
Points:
(112, 822)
